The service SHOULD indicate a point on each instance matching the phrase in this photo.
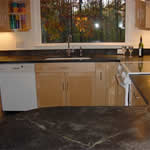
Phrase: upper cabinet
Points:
(143, 14)
(15, 15)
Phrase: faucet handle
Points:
(81, 51)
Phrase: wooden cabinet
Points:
(50, 89)
(65, 84)
(80, 88)
(106, 85)
(136, 98)
(15, 15)
(143, 14)
(100, 99)
(120, 95)
(77, 84)
(4, 18)
(111, 85)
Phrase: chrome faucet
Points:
(69, 50)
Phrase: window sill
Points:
(77, 45)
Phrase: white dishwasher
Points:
(18, 87)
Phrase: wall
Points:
(31, 39)
(7, 40)
(133, 33)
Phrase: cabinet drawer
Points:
(100, 67)
(65, 67)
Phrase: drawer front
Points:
(65, 67)
(100, 67)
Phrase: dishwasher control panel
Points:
(17, 68)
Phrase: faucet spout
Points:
(68, 51)
(69, 40)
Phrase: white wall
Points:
(133, 33)
(7, 40)
(31, 39)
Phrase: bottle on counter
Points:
(141, 47)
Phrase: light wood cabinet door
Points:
(120, 95)
(136, 98)
(106, 85)
(112, 86)
(143, 14)
(80, 88)
(50, 89)
(140, 14)
(100, 99)
(4, 17)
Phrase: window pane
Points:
(85, 20)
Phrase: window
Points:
(85, 20)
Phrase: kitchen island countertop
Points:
(77, 128)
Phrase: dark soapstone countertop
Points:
(77, 128)
(40, 56)
(94, 58)
(142, 84)
(97, 55)
(43, 59)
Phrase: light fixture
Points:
(97, 25)
(120, 25)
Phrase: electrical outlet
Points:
(120, 51)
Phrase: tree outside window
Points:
(86, 20)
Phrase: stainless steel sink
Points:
(69, 58)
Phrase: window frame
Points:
(38, 35)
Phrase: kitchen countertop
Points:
(94, 58)
(142, 84)
(77, 128)
(43, 59)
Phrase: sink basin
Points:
(69, 58)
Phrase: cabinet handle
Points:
(63, 86)
(100, 76)
(67, 85)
